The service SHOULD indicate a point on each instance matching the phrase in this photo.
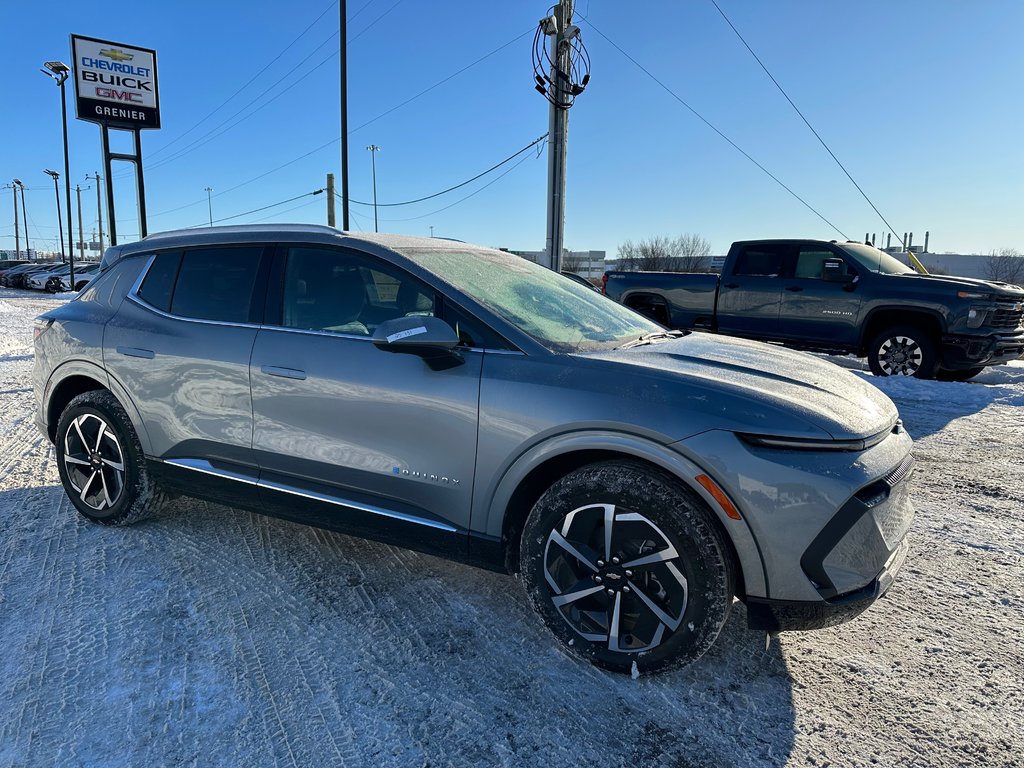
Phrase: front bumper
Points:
(960, 352)
(790, 615)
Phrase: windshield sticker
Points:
(405, 334)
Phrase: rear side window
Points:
(159, 281)
(216, 284)
(765, 261)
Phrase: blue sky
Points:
(920, 99)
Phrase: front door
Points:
(349, 436)
(815, 311)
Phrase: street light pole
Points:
(60, 226)
(343, 40)
(59, 72)
(81, 235)
(24, 216)
(209, 202)
(374, 149)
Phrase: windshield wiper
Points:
(650, 338)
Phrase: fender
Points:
(99, 375)
(640, 448)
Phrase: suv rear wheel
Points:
(627, 567)
(101, 463)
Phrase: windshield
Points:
(559, 313)
(875, 260)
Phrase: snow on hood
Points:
(813, 390)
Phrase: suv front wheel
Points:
(627, 567)
(101, 463)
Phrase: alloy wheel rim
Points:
(615, 578)
(900, 356)
(94, 462)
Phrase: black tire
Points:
(101, 463)
(673, 524)
(963, 375)
(903, 350)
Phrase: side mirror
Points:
(834, 271)
(427, 337)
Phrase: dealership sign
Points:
(115, 84)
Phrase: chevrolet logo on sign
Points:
(116, 55)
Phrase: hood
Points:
(753, 377)
(1003, 290)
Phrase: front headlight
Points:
(815, 444)
(976, 317)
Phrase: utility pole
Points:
(374, 149)
(81, 237)
(558, 127)
(209, 202)
(99, 207)
(17, 232)
(431, 230)
(343, 40)
(24, 217)
(330, 197)
(60, 226)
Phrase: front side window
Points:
(216, 284)
(340, 292)
(811, 261)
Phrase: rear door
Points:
(816, 311)
(180, 344)
(349, 436)
(749, 299)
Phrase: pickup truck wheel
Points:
(902, 351)
(963, 375)
(627, 567)
(101, 464)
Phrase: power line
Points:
(495, 180)
(257, 210)
(804, 118)
(494, 167)
(704, 120)
(214, 133)
(357, 128)
(252, 79)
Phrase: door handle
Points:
(284, 373)
(145, 354)
(732, 285)
(794, 288)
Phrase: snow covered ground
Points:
(215, 637)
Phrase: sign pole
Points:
(140, 183)
(108, 168)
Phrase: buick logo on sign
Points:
(115, 84)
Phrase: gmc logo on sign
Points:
(110, 93)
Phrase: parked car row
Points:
(49, 276)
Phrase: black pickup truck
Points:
(841, 298)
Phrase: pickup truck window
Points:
(810, 260)
(876, 260)
(765, 261)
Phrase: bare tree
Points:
(1006, 266)
(686, 253)
(693, 253)
(572, 262)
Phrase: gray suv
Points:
(465, 402)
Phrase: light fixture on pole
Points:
(56, 194)
(17, 229)
(24, 216)
(374, 149)
(209, 202)
(59, 72)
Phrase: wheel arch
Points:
(658, 305)
(78, 376)
(886, 317)
(535, 471)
